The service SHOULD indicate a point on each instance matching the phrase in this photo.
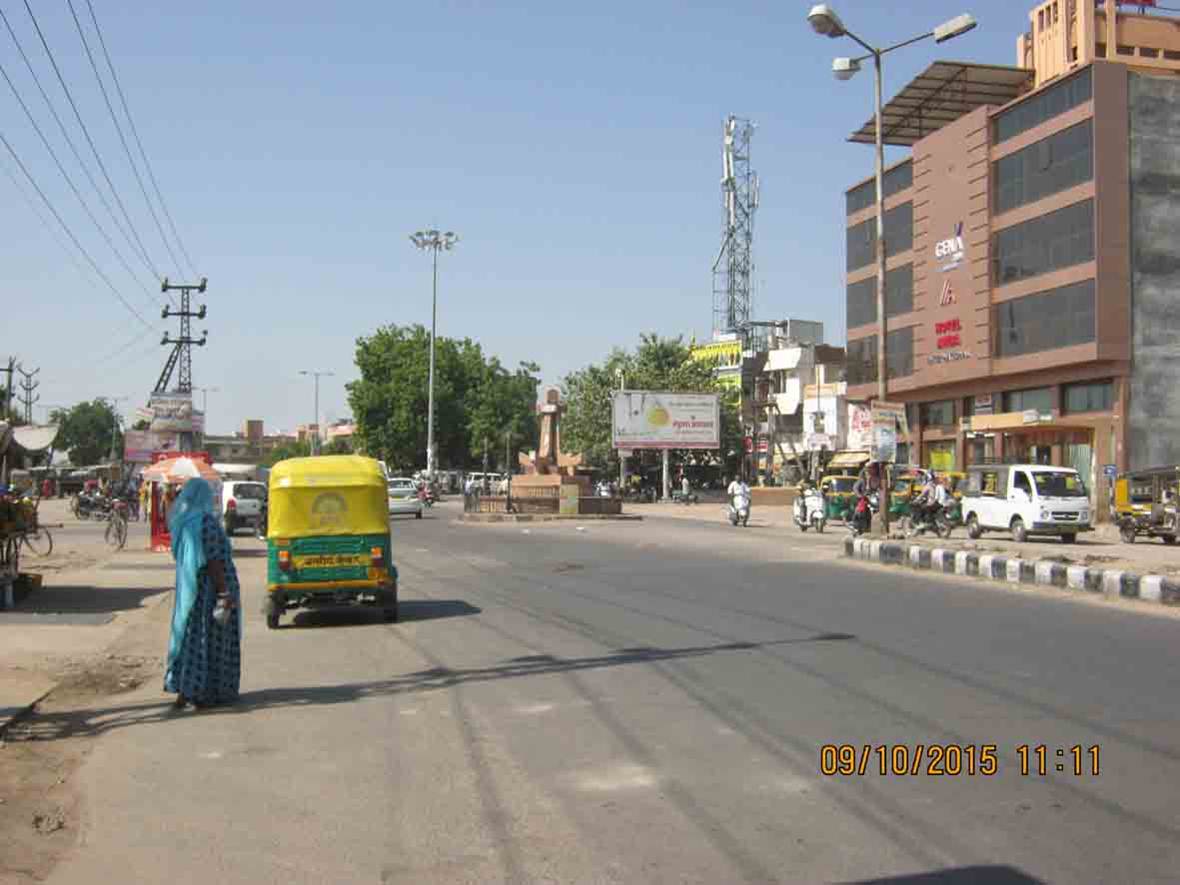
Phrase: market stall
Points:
(165, 478)
(18, 506)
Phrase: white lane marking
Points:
(412, 711)
(533, 709)
(617, 777)
(214, 754)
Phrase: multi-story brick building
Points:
(1033, 250)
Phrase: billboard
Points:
(171, 411)
(886, 418)
(138, 445)
(647, 419)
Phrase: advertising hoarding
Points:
(886, 418)
(138, 445)
(171, 411)
(647, 419)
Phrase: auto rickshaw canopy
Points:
(327, 495)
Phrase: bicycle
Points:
(116, 531)
(39, 541)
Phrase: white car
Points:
(241, 504)
(403, 496)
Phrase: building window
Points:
(938, 414)
(1060, 317)
(899, 236)
(862, 356)
(1121, 49)
(1044, 105)
(1053, 164)
(1097, 396)
(1172, 55)
(1100, 50)
(899, 296)
(1039, 399)
(893, 181)
(1040, 19)
(1048, 242)
(1149, 53)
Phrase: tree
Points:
(340, 445)
(657, 364)
(473, 397)
(142, 424)
(283, 451)
(88, 431)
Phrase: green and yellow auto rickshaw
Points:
(328, 536)
(839, 496)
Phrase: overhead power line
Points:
(135, 133)
(85, 131)
(73, 187)
(69, 233)
(122, 138)
(151, 269)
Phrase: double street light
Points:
(826, 23)
(434, 241)
(315, 440)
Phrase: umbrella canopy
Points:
(179, 470)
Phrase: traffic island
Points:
(548, 517)
(1111, 583)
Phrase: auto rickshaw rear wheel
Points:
(1169, 539)
(272, 620)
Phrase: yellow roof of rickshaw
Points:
(325, 471)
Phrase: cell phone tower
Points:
(733, 271)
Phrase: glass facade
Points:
(1046, 105)
(899, 296)
(1095, 396)
(894, 181)
(1045, 243)
(862, 356)
(1038, 398)
(899, 236)
(938, 414)
(1046, 320)
(1060, 161)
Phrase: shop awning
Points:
(35, 439)
(849, 459)
(941, 94)
(1013, 421)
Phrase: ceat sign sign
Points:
(951, 249)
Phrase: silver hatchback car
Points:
(403, 497)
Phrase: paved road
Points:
(645, 703)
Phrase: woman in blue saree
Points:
(204, 648)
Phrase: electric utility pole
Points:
(27, 386)
(8, 394)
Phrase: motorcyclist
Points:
(922, 506)
(739, 493)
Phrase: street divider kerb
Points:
(1111, 583)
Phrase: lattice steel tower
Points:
(182, 353)
(733, 271)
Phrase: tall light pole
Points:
(205, 391)
(434, 241)
(315, 445)
(824, 21)
(113, 402)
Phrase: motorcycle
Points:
(739, 511)
(862, 515)
(681, 498)
(935, 519)
(91, 506)
(810, 510)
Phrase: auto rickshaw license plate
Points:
(330, 560)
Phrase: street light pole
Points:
(434, 241)
(315, 445)
(205, 391)
(622, 461)
(824, 21)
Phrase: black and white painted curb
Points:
(1014, 570)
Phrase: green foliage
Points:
(283, 451)
(339, 446)
(474, 398)
(86, 432)
(657, 364)
(142, 424)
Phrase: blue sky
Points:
(574, 148)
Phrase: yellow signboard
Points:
(330, 560)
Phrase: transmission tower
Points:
(27, 386)
(733, 271)
(182, 353)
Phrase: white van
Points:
(1025, 499)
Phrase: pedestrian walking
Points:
(204, 647)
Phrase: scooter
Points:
(739, 511)
(810, 510)
(862, 514)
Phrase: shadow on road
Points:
(983, 875)
(71, 599)
(361, 616)
(56, 725)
